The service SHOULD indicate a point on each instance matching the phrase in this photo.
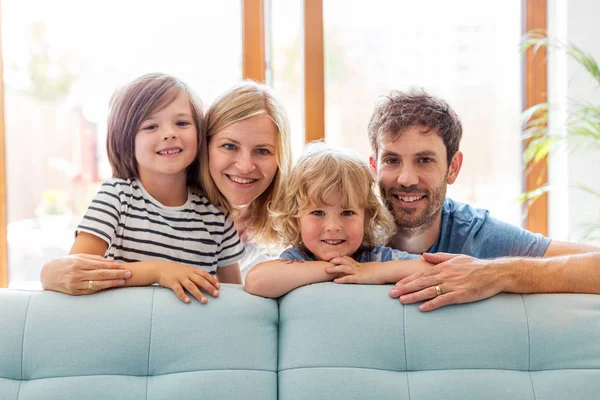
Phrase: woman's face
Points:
(242, 159)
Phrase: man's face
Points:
(413, 173)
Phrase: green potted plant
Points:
(582, 126)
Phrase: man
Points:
(415, 139)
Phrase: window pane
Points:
(59, 74)
(464, 51)
(285, 64)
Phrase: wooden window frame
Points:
(253, 26)
(535, 89)
(314, 71)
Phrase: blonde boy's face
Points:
(330, 231)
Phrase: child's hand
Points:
(351, 271)
(178, 277)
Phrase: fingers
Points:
(346, 279)
(210, 278)
(107, 275)
(90, 257)
(421, 295)
(343, 260)
(436, 258)
(340, 268)
(439, 301)
(192, 288)
(99, 285)
(202, 283)
(178, 289)
(92, 264)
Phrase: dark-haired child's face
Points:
(167, 142)
(330, 231)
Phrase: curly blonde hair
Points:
(242, 101)
(324, 171)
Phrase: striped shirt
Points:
(139, 228)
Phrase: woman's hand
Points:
(78, 274)
(178, 277)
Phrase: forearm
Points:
(574, 273)
(393, 271)
(275, 278)
(144, 273)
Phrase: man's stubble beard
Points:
(410, 227)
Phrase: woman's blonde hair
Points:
(321, 172)
(242, 101)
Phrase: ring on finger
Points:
(438, 290)
(90, 285)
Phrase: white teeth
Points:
(238, 179)
(333, 241)
(168, 152)
(410, 199)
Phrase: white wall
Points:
(571, 208)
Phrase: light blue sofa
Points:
(323, 341)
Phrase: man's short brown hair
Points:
(401, 110)
(133, 104)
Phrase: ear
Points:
(454, 167)
(373, 163)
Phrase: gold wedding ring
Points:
(90, 285)
(438, 290)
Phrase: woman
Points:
(249, 154)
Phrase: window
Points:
(59, 74)
(464, 51)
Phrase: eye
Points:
(318, 213)
(390, 160)
(348, 213)
(229, 146)
(263, 152)
(425, 160)
(149, 127)
(183, 124)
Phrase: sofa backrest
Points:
(323, 341)
(355, 342)
(137, 343)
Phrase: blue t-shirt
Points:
(379, 253)
(471, 231)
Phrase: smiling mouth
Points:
(333, 242)
(169, 152)
(240, 180)
(409, 199)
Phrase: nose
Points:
(407, 176)
(245, 163)
(168, 135)
(332, 223)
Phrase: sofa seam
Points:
(23, 346)
(528, 347)
(150, 340)
(405, 351)
(278, 301)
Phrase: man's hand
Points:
(351, 271)
(455, 279)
